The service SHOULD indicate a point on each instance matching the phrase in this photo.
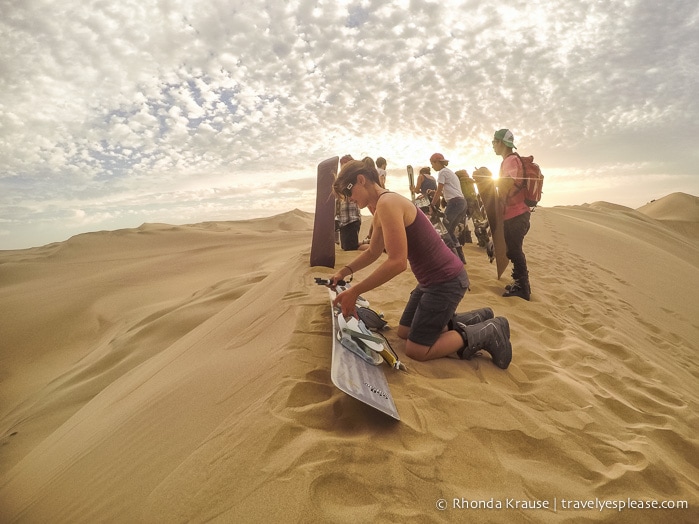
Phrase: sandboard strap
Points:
(361, 335)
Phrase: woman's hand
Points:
(337, 277)
(347, 301)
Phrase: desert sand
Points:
(182, 373)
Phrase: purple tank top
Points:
(430, 259)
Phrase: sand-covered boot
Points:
(492, 336)
(520, 289)
(466, 237)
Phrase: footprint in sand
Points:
(339, 494)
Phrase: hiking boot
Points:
(518, 290)
(493, 336)
(472, 317)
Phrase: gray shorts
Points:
(429, 309)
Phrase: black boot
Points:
(519, 289)
(465, 236)
(492, 336)
(472, 317)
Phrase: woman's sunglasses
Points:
(347, 192)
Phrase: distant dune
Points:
(182, 373)
(679, 207)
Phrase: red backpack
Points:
(533, 180)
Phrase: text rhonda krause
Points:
(569, 504)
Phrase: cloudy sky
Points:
(113, 114)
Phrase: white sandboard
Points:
(356, 377)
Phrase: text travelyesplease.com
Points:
(560, 504)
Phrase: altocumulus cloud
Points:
(116, 113)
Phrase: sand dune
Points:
(679, 207)
(678, 211)
(181, 373)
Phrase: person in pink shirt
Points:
(516, 214)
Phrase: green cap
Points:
(506, 137)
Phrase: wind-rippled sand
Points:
(182, 373)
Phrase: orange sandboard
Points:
(493, 209)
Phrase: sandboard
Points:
(323, 242)
(493, 210)
(482, 229)
(356, 377)
(467, 188)
(411, 180)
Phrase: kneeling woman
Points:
(428, 324)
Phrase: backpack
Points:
(533, 180)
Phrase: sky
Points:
(114, 114)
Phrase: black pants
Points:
(515, 230)
(454, 213)
(349, 236)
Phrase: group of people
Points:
(430, 324)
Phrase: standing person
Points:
(516, 215)
(381, 168)
(424, 188)
(448, 185)
(428, 324)
(425, 183)
(350, 220)
(469, 191)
